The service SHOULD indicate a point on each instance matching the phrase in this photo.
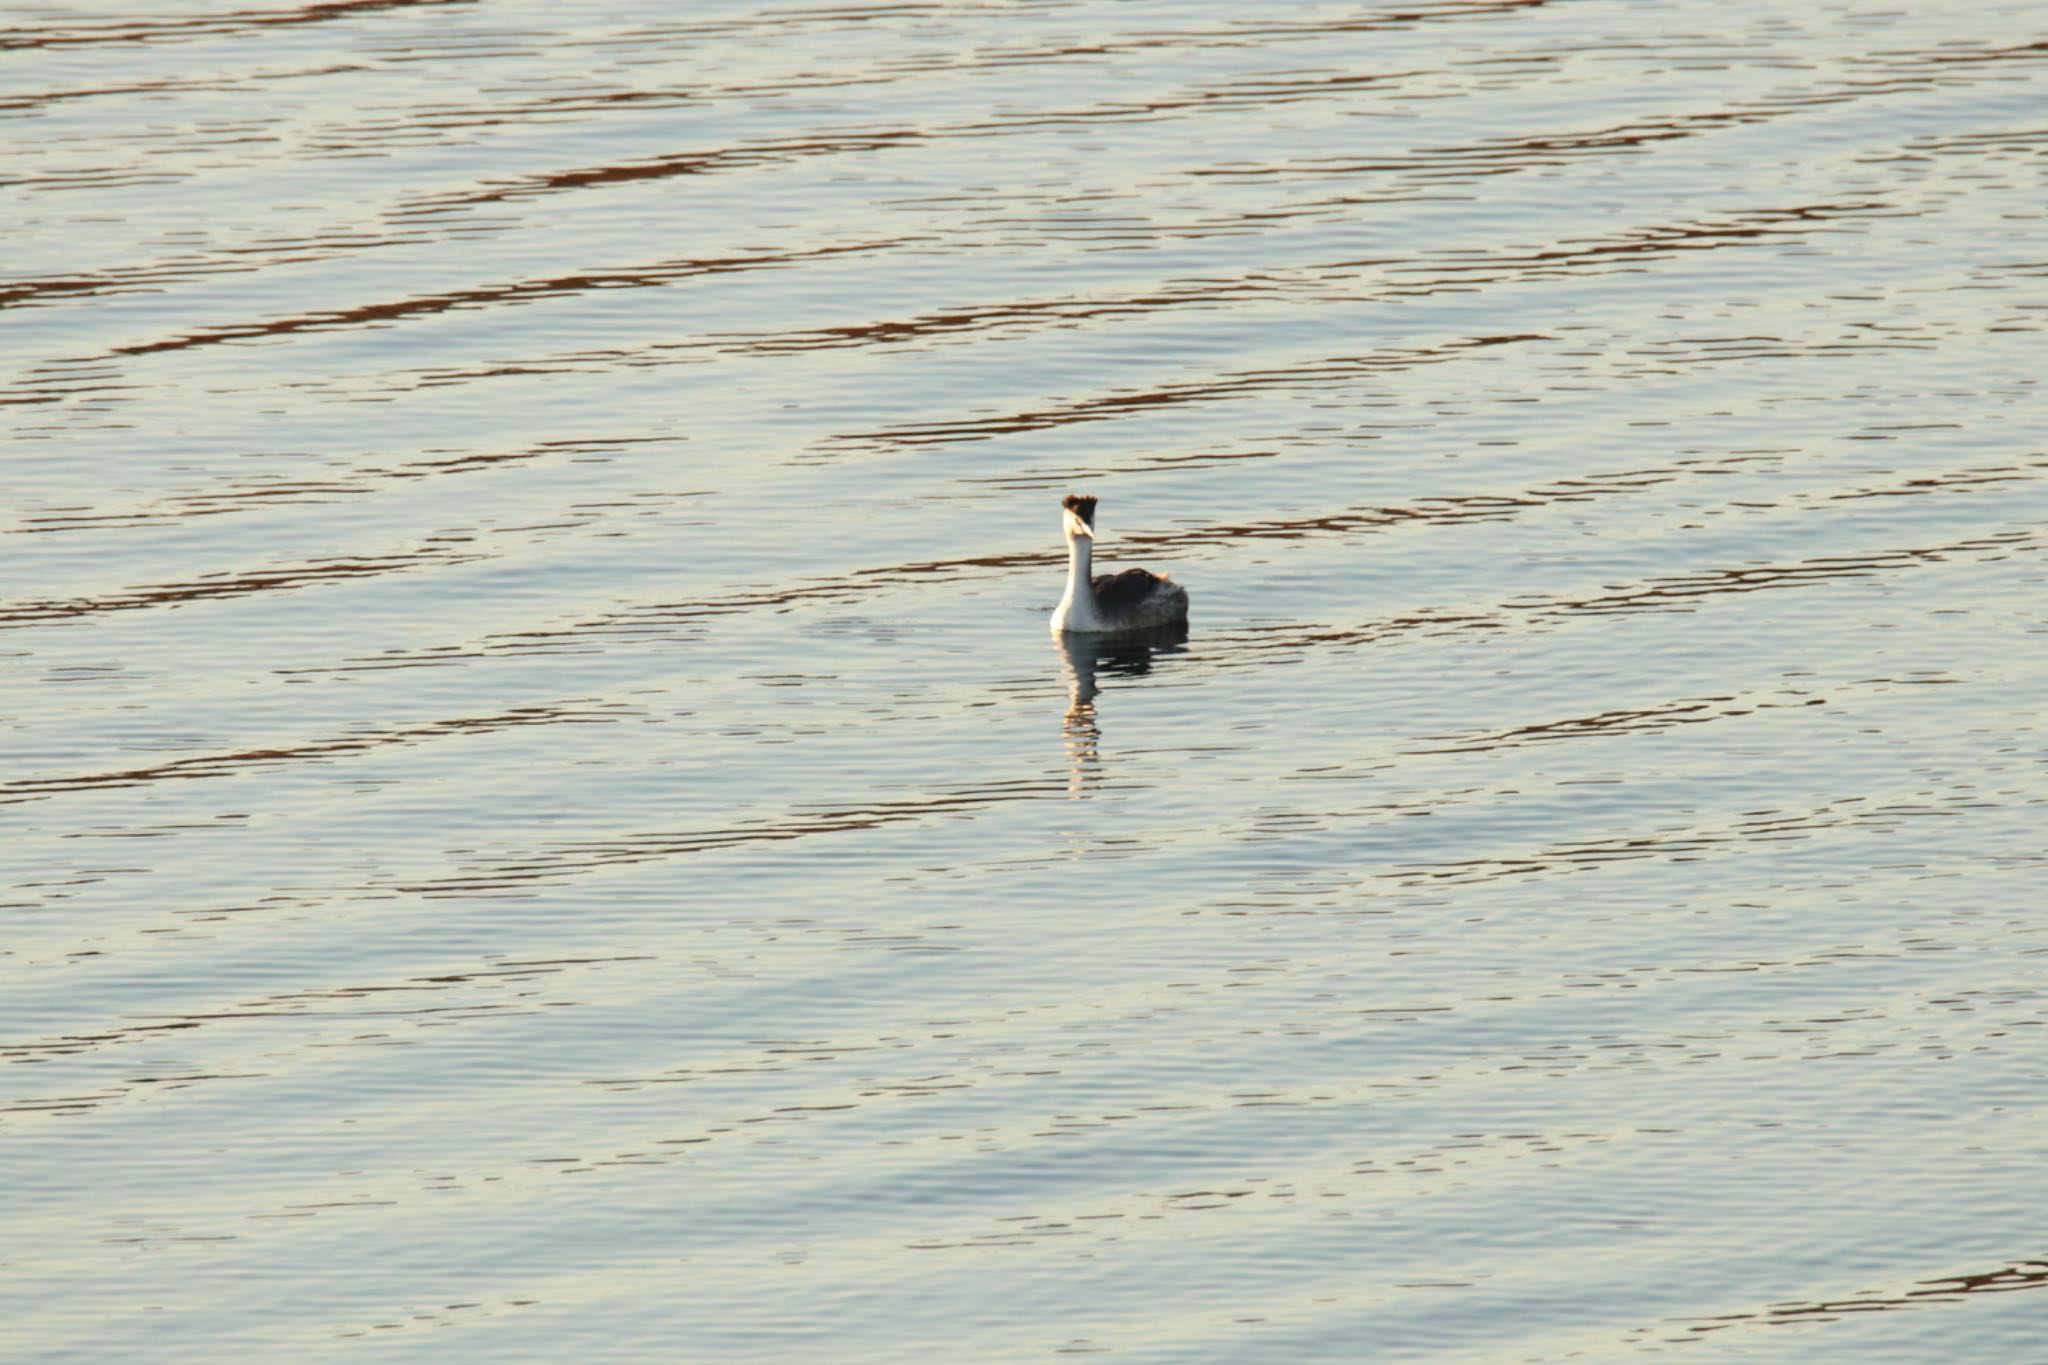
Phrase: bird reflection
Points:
(1087, 656)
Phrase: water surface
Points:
(543, 821)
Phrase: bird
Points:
(1126, 603)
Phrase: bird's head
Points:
(1080, 516)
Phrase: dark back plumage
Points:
(1117, 592)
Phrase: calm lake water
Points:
(542, 820)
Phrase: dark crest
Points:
(1080, 506)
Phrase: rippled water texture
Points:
(543, 822)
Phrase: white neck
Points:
(1077, 608)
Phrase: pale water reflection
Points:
(1088, 657)
(541, 818)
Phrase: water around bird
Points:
(542, 818)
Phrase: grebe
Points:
(1111, 604)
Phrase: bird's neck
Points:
(1077, 608)
(1080, 561)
